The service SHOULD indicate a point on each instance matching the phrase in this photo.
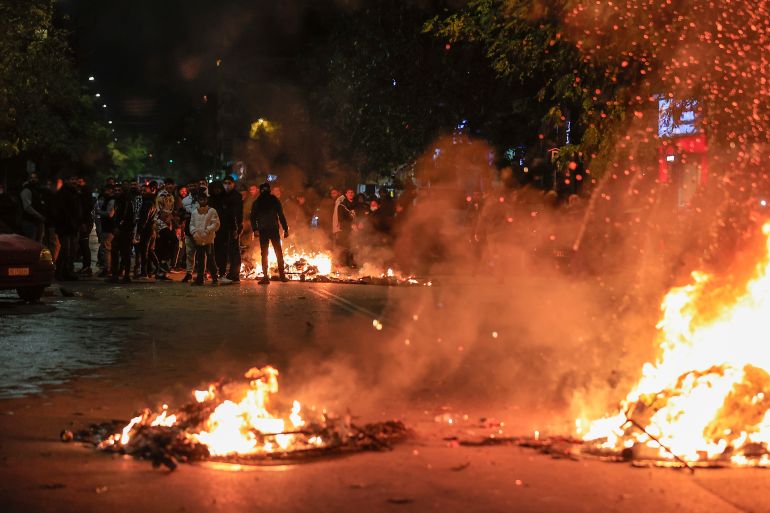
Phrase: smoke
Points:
(545, 311)
(514, 323)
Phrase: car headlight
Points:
(45, 256)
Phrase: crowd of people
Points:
(147, 231)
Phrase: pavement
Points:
(102, 351)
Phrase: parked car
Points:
(25, 266)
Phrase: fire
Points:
(707, 397)
(298, 263)
(234, 427)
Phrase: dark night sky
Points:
(154, 59)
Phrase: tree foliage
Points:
(529, 46)
(43, 108)
(130, 156)
(387, 89)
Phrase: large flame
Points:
(707, 397)
(235, 427)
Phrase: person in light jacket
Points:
(204, 224)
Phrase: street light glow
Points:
(109, 122)
(91, 78)
(98, 95)
(104, 105)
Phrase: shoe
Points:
(225, 281)
(142, 277)
(264, 281)
(112, 279)
(236, 279)
(187, 277)
(86, 271)
(126, 280)
(215, 281)
(196, 283)
(283, 279)
(103, 274)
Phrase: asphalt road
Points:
(106, 351)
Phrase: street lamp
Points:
(91, 78)
(104, 105)
(109, 122)
(98, 95)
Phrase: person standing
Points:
(216, 195)
(231, 227)
(69, 223)
(32, 217)
(344, 218)
(326, 213)
(123, 235)
(204, 223)
(189, 205)
(145, 232)
(167, 244)
(105, 211)
(84, 236)
(266, 214)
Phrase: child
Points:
(204, 224)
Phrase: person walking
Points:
(204, 223)
(266, 214)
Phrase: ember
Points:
(707, 398)
(227, 423)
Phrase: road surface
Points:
(106, 351)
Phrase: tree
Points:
(386, 90)
(130, 156)
(44, 111)
(527, 43)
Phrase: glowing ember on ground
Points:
(707, 397)
(228, 421)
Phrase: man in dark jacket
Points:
(231, 218)
(145, 231)
(33, 209)
(123, 230)
(266, 213)
(69, 221)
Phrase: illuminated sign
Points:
(677, 117)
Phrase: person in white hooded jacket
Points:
(204, 223)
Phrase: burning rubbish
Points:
(230, 422)
(706, 400)
(317, 266)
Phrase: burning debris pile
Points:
(229, 423)
(316, 266)
(706, 401)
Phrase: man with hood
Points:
(266, 214)
(231, 217)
